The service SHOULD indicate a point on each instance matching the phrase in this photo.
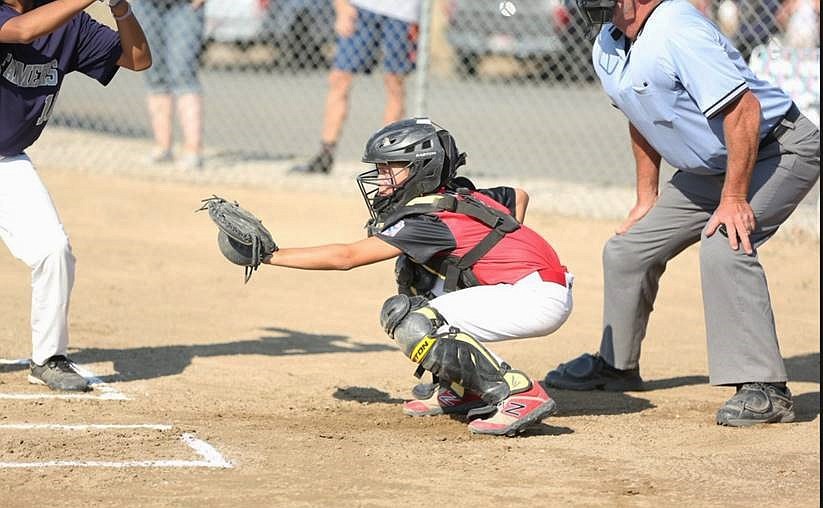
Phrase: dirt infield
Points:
(292, 380)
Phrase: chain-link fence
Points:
(513, 81)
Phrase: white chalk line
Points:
(211, 457)
(83, 426)
(207, 451)
(107, 392)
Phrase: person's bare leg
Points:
(395, 98)
(190, 113)
(160, 108)
(337, 105)
(337, 108)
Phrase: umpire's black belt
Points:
(780, 127)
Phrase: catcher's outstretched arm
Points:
(339, 256)
(244, 241)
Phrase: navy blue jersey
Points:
(31, 74)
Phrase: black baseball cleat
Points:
(591, 372)
(319, 164)
(757, 403)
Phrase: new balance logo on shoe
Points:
(513, 408)
(443, 401)
(516, 413)
(449, 398)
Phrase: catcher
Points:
(468, 271)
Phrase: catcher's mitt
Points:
(242, 238)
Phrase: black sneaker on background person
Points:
(591, 372)
(58, 374)
(757, 403)
(321, 163)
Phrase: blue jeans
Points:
(174, 31)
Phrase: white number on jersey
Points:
(48, 106)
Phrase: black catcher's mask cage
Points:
(596, 13)
(428, 151)
(370, 183)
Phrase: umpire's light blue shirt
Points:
(675, 78)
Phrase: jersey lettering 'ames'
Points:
(31, 74)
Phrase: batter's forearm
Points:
(341, 6)
(25, 28)
(136, 53)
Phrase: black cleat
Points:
(319, 164)
(591, 372)
(757, 403)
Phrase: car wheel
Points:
(551, 68)
(466, 64)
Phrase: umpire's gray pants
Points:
(742, 341)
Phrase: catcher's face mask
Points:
(379, 186)
(596, 13)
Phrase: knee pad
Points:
(410, 321)
(454, 357)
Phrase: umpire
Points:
(745, 158)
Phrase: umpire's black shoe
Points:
(757, 403)
(58, 374)
(591, 372)
(319, 164)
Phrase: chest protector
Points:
(457, 271)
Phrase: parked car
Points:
(240, 22)
(301, 31)
(546, 35)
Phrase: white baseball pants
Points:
(31, 229)
(530, 307)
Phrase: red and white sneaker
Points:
(444, 401)
(516, 412)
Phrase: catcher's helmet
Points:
(431, 156)
(596, 13)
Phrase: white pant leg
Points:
(527, 308)
(31, 229)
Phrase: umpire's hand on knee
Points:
(735, 214)
(635, 214)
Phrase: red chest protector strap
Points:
(457, 270)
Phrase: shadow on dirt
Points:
(543, 429)
(806, 406)
(804, 368)
(572, 403)
(159, 361)
(365, 395)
